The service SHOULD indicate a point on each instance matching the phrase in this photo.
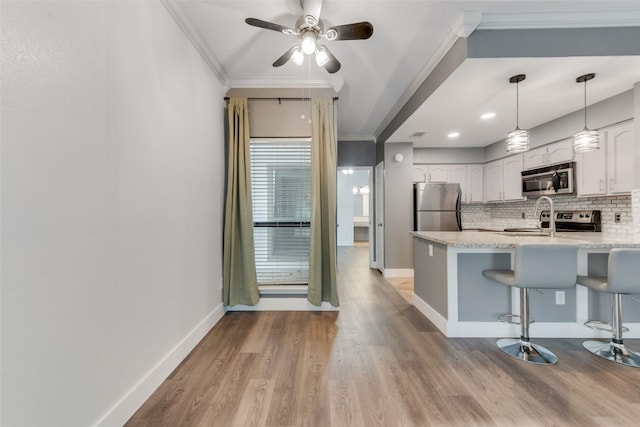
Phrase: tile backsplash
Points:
(509, 214)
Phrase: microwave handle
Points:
(555, 181)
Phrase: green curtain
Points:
(322, 258)
(240, 282)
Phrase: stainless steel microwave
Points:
(549, 180)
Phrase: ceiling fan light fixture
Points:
(517, 139)
(309, 43)
(321, 56)
(586, 139)
(297, 56)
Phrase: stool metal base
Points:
(617, 353)
(532, 353)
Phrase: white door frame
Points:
(379, 217)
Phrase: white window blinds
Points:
(281, 196)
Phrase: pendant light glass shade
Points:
(517, 139)
(586, 139)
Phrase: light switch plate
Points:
(560, 297)
(430, 250)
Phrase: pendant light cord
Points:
(585, 104)
(517, 104)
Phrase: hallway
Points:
(378, 361)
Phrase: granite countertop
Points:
(499, 239)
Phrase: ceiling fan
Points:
(310, 32)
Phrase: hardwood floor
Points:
(380, 362)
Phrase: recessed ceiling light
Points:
(486, 116)
(453, 135)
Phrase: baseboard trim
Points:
(128, 404)
(430, 313)
(398, 272)
(283, 304)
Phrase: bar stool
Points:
(537, 266)
(623, 279)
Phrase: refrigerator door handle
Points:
(458, 214)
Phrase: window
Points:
(281, 196)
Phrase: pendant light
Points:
(586, 139)
(517, 139)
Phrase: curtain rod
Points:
(279, 99)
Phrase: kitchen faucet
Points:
(552, 219)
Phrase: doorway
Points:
(355, 207)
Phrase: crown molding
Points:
(357, 138)
(178, 15)
(560, 19)
(463, 26)
(277, 82)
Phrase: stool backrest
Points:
(546, 266)
(624, 271)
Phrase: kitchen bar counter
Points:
(500, 239)
(450, 290)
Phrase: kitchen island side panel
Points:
(430, 275)
(481, 299)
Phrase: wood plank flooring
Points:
(379, 362)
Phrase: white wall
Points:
(112, 183)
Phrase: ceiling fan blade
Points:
(285, 57)
(332, 65)
(311, 8)
(355, 31)
(269, 25)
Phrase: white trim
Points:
(279, 82)
(283, 304)
(398, 272)
(178, 15)
(506, 330)
(430, 313)
(129, 403)
(464, 24)
(283, 289)
(559, 19)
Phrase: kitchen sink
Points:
(525, 233)
(528, 231)
(524, 230)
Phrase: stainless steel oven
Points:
(549, 180)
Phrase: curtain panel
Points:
(322, 257)
(239, 269)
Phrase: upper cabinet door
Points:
(534, 158)
(420, 173)
(512, 172)
(560, 152)
(438, 173)
(620, 158)
(591, 171)
(493, 181)
(475, 183)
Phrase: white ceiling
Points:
(379, 75)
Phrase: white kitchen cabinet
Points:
(558, 152)
(609, 170)
(493, 181)
(620, 158)
(438, 173)
(470, 178)
(474, 188)
(503, 180)
(591, 171)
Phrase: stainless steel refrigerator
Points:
(436, 207)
